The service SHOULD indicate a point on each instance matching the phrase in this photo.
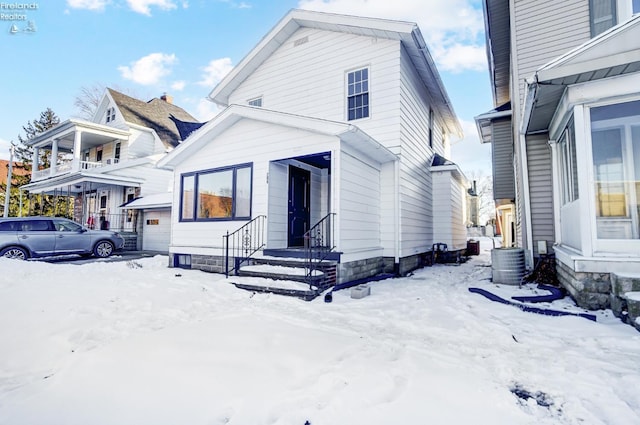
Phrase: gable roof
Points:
(155, 114)
(349, 133)
(614, 52)
(407, 33)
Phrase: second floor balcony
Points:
(75, 146)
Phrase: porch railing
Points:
(67, 167)
(115, 222)
(240, 245)
(318, 244)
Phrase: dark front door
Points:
(299, 211)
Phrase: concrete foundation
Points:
(589, 290)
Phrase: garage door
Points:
(156, 230)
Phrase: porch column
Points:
(35, 161)
(77, 147)
(54, 157)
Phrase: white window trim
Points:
(577, 101)
(346, 92)
(599, 246)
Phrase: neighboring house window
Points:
(602, 14)
(99, 154)
(111, 114)
(116, 153)
(615, 143)
(358, 94)
(256, 102)
(220, 194)
(568, 164)
(635, 6)
(430, 127)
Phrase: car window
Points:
(35, 225)
(67, 226)
(8, 226)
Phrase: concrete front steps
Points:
(625, 298)
(285, 276)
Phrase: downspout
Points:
(396, 216)
(530, 100)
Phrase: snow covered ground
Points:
(135, 342)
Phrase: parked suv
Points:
(32, 237)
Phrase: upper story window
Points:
(99, 154)
(358, 94)
(635, 7)
(255, 102)
(116, 153)
(111, 114)
(602, 14)
(219, 194)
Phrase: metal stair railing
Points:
(243, 243)
(318, 244)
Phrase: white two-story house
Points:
(565, 134)
(328, 137)
(106, 166)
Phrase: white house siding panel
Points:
(502, 153)
(458, 214)
(278, 205)
(540, 190)
(388, 207)
(359, 214)
(155, 180)
(141, 144)
(310, 79)
(449, 210)
(571, 224)
(442, 229)
(416, 187)
(246, 141)
(546, 29)
(156, 230)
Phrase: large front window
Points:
(220, 194)
(615, 139)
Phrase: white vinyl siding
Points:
(359, 203)
(450, 203)
(266, 143)
(310, 79)
(416, 188)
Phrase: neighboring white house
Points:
(330, 119)
(108, 162)
(566, 135)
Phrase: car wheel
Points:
(14, 252)
(103, 249)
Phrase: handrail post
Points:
(226, 255)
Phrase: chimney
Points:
(167, 98)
